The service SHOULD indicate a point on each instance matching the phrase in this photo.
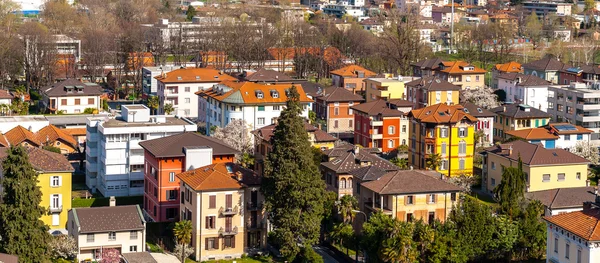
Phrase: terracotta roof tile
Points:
(535, 154)
(352, 71)
(193, 75)
(45, 161)
(585, 224)
(109, 218)
(441, 113)
(457, 67)
(51, 133)
(172, 146)
(509, 67)
(533, 134)
(5, 94)
(218, 177)
(75, 131)
(409, 182)
(248, 92)
(337, 94)
(18, 134)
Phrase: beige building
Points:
(462, 74)
(99, 228)
(225, 206)
(574, 237)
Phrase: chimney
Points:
(356, 149)
(238, 176)
(587, 183)
(510, 150)
(443, 176)
(411, 167)
(197, 156)
(113, 201)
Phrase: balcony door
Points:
(228, 221)
(254, 197)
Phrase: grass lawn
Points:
(257, 259)
(351, 253)
(153, 248)
(485, 199)
(104, 201)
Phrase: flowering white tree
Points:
(188, 250)
(586, 150)
(63, 246)
(483, 97)
(111, 255)
(237, 135)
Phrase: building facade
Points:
(381, 124)
(432, 90)
(573, 237)
(386, 88)
(485, 123)
(525, 89)
(72, 96)
(334, 106)
(555, 135)
(578, 104)
(351, 77)
(509, 67)
(514, 117)
(462, 74)
(547, 68)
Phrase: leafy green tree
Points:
(292, 183)
(400, 162)
(90, 111)
(433, 161)
(318, 156)
(312, 117)
(506, 233)
(190, 13)
(342, 234)
(153, 103)
(247, 160)
(532, 238)
(22, 232)
(169, 108)
(399, 246)
(183, 234)
(51, 148)
(510, 193)
(424, 236)
(105, 104)
(474, 223)
(345, 206)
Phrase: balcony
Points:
(56, 209)
(91, 166)
(254, 225)
(376, 207)
(252, 206)
(375, 123)
(91, 137)
(227, 231)
(376, 136)
(91, 151)
(228, 211)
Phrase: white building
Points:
(555, 135)
(71, 96)
(485, 122)
(96, 229)
(179, 88)
(149, 82)
(114, 158)
(257, 104)
(577, 104)
(574, 237)
(32, 123)
(525, 89)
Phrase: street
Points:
(328, 255)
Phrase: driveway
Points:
(328, 255)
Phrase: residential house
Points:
(381, 124)
(72, 96)
(110, 227)
(485, 122)
(262, 142)
(443, 15)
(547, 68)
(257, 104)
(577, 104)
(525, 89)
(554, 135)
(574, 74)
(164, 158)
(6, 98)
(504, 19)
(373, 25)
(432, 90)
(335, 107)
(573, 237)
(114, 158)
(351, 77)
(563, 200)
(263, 75)
(444, 130)
(343, 161)
(426, 68)
(21, 136)
(462, 74)
(409, 195)
(59, 138)
(54, 180)
(179, 87)
(386, 88)
(514, 117)
(544, 168)
(225, 206)
(509, 67)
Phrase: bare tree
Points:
(40, 54)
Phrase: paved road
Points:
(328, 255)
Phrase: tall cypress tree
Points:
(292, 184)
(22, 232)
(511, 191)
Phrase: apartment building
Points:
(432, 90)
(509, 67)
(554, 135)
(351, 77)
(426, 68)
(257, 104)
(54, 180)
(525, 89)
(409, 195)
(544, 8)
(96, 229)
(485, 122)
(149, 74)
(547, 68)
(578, 104)
(225, 206)
(573, 237)
(71, 96)
(462, 74)
(179, 87)
(544, 168)
(444, 130)
(164, 158)
(386, 88)
(114, 158)
(335, 107)
(514, 117)
(381, 124)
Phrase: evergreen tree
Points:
(292, 184)
(510, 193)
(190, 13)
(22, 232)
(532, 239)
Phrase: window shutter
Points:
(59, 200)
(206, 244)
(434, 198)
(206, 222)
(406, 200)
(228, 201)
(232, 241)
(60, 181)
(216, 243)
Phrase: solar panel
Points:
(565, 127)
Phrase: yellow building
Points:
(55, 181)
(432, 90)
(409, 195)
(544, 168)
(446, 131)
(384, 88)
(514, 117)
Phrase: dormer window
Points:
(274, 94)
(69, 89)
(178, 77)
(197, 77)
(259, 94)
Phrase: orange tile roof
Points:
(194, 75)
(75, 131)
(245, 92)
(352, 71)
(456, 67)
(533, 134)
(51, 133)
(509, 67)
(18, 134)
(3, 141)
(578, 131)
(218, 177)
(441, 113)
(585, 224)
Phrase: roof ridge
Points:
(389, 181)
(593, 229)
(555, 195)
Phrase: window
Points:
(133, 235)
(493, 182)
(335, 124)
(172, 177)
(444, 132)
(261, 108)
(493, 166)
(276, 107)
(546, 178)
(350, 124)
(431, 217)
(391, 129)
(228, 201)
(171, 195)
(187, 100)
(461, 164)
(409, 199)
(561, 177)
(210, 222)
(578, 176)
(187, 89)
(112, 236)
(555, 245)
(567, 137)
(77, 101)
(55, 182)
(431, 198)
(90, 101)
(443, 165)
(579, 137)
(443, 148)
(229, 242)
(261, 121)
(390, 143)
(212, 201)
(132, 248)
(462, 132)
(336, 111)
(468, 78)
(403, 128)
(211, 243)
(567, 246)
(171, 212)
(476, 78)
(63, 102)
(453, 197)
(55, 201)
(409, 217)
(462, 147)
(90, 238)
(578, 256)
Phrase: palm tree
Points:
(400, 162)
(169, 108)
(433, 161)
(153, 103)
(345, 206)
(183, 233)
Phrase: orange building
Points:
(382, 124)
(55, 137)
(333, 106)
(351, 77)
(165, 157)
(138, 60)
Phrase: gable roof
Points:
(441, 113)
(584, 224)
(59, 89)
(343, 147)
(547, 63)
(352, 71)
(457, 67)
(520, 111)
(218, 177)
(172, 146)
(509, 67)
(533, 134)
(432, 83)
(525, 80)
(320, 136)
(558, 128)
(18, 134)
(409, 182)
(347, 162)
(109, 219)
(193, 75)
(535, 154)
(247, 92)
(267, 75)
(476, 111)
(51, 133)
(3, 141)
(337, 94)
(5, 94)
(563, 197)
(377, 107)
(431, 64)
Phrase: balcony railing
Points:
(228, 211)
(56, 209)
(254, 206)
(228, 231)
(255, 225)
